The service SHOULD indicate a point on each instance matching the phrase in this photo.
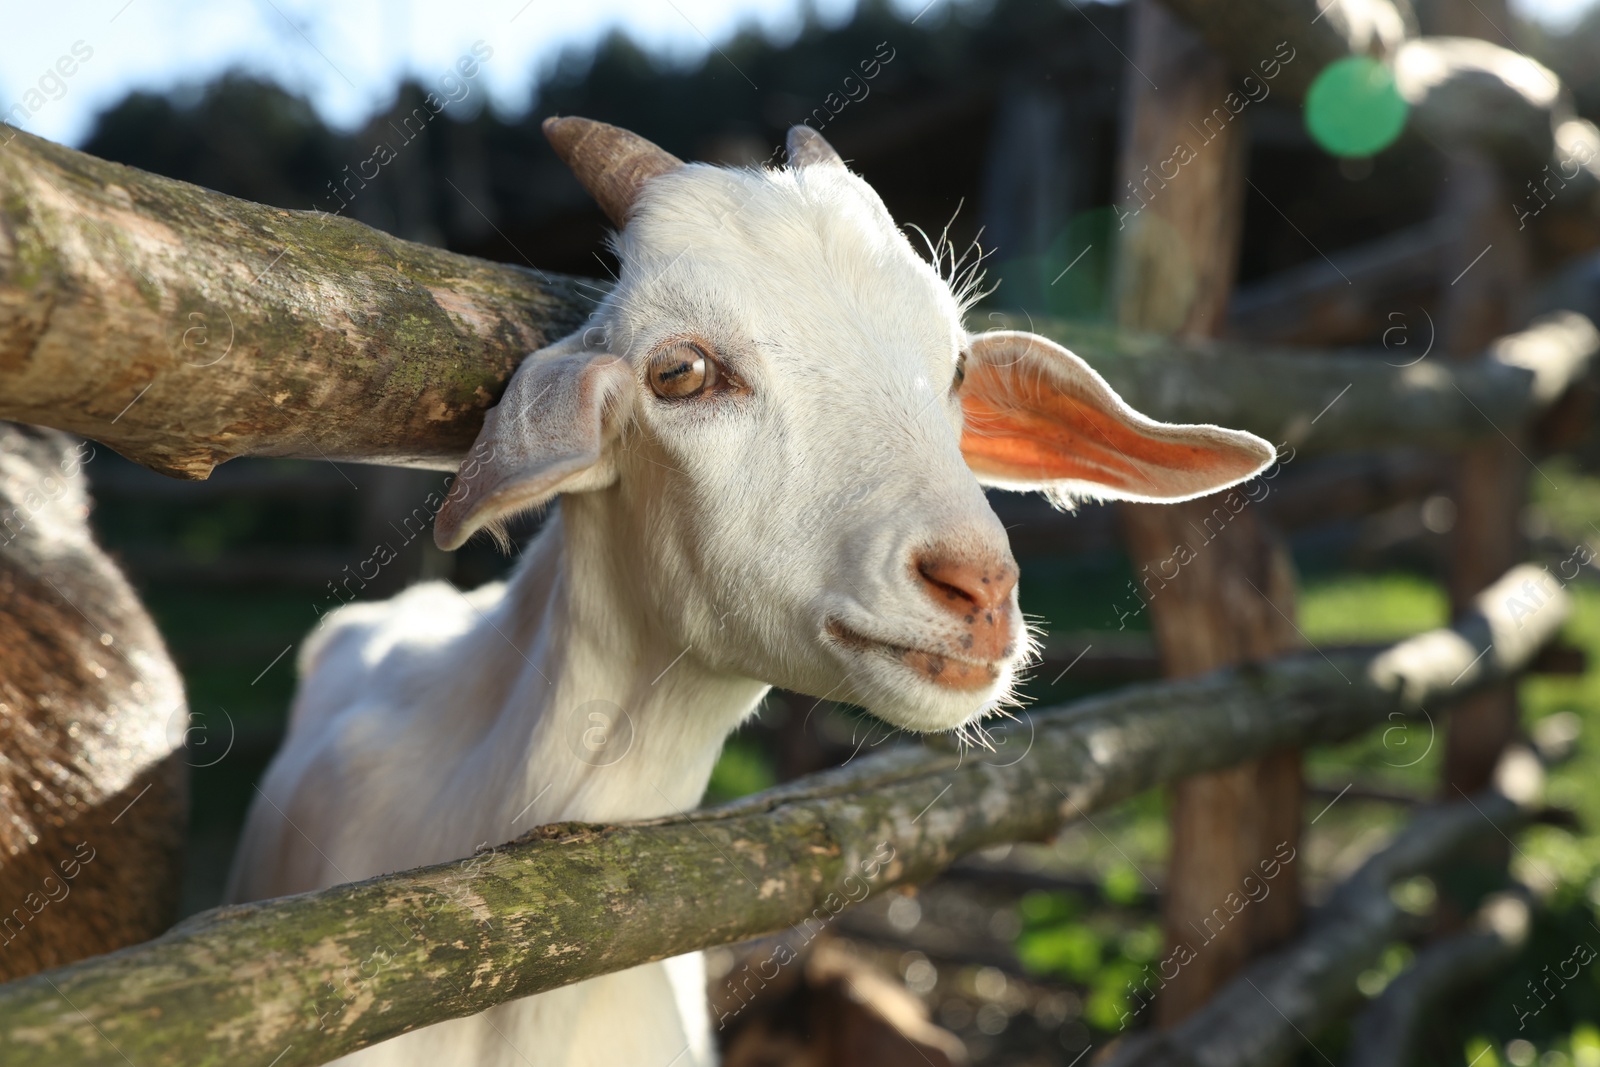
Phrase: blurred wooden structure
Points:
(1232, 599)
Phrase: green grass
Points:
(1370, 607)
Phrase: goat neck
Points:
(626, 722)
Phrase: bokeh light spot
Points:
(1353, 107)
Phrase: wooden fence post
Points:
(1233, 601)
(1483, 278)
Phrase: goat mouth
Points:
(941, 668)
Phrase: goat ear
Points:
(1039, 418)
(546, 436)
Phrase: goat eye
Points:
(961, 372)
(681, 370)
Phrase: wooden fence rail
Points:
(1319, 31)
(310, 977)
(1389, 1030)
(184, 328)
(1324, 401)
(1460, 93)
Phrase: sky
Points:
(346, 56)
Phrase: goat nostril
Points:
(967, 586)
(930, 574)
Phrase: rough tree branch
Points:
(373, 959)
(184, 328)
(1389, 1030)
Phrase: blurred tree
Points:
(993, 117)
(239, 135)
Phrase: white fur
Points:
(699, 553)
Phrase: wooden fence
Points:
(104, 269)
(232, 985)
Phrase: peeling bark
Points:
(310, 977)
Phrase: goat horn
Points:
(806, 146)
(612, 163)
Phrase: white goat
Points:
(770, 447)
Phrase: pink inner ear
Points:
(1025, 427)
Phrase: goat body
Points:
(768, 448)
(422, 768)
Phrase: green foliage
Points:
(1121, 884)
(1480, 1050)
(1070, 950)
(1570, 506)
(1041, 909)
(1579, 1048)
(1062, 939)
(742, 769)
(1375, 979)
(1109, 1006)
(1585, 1044)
